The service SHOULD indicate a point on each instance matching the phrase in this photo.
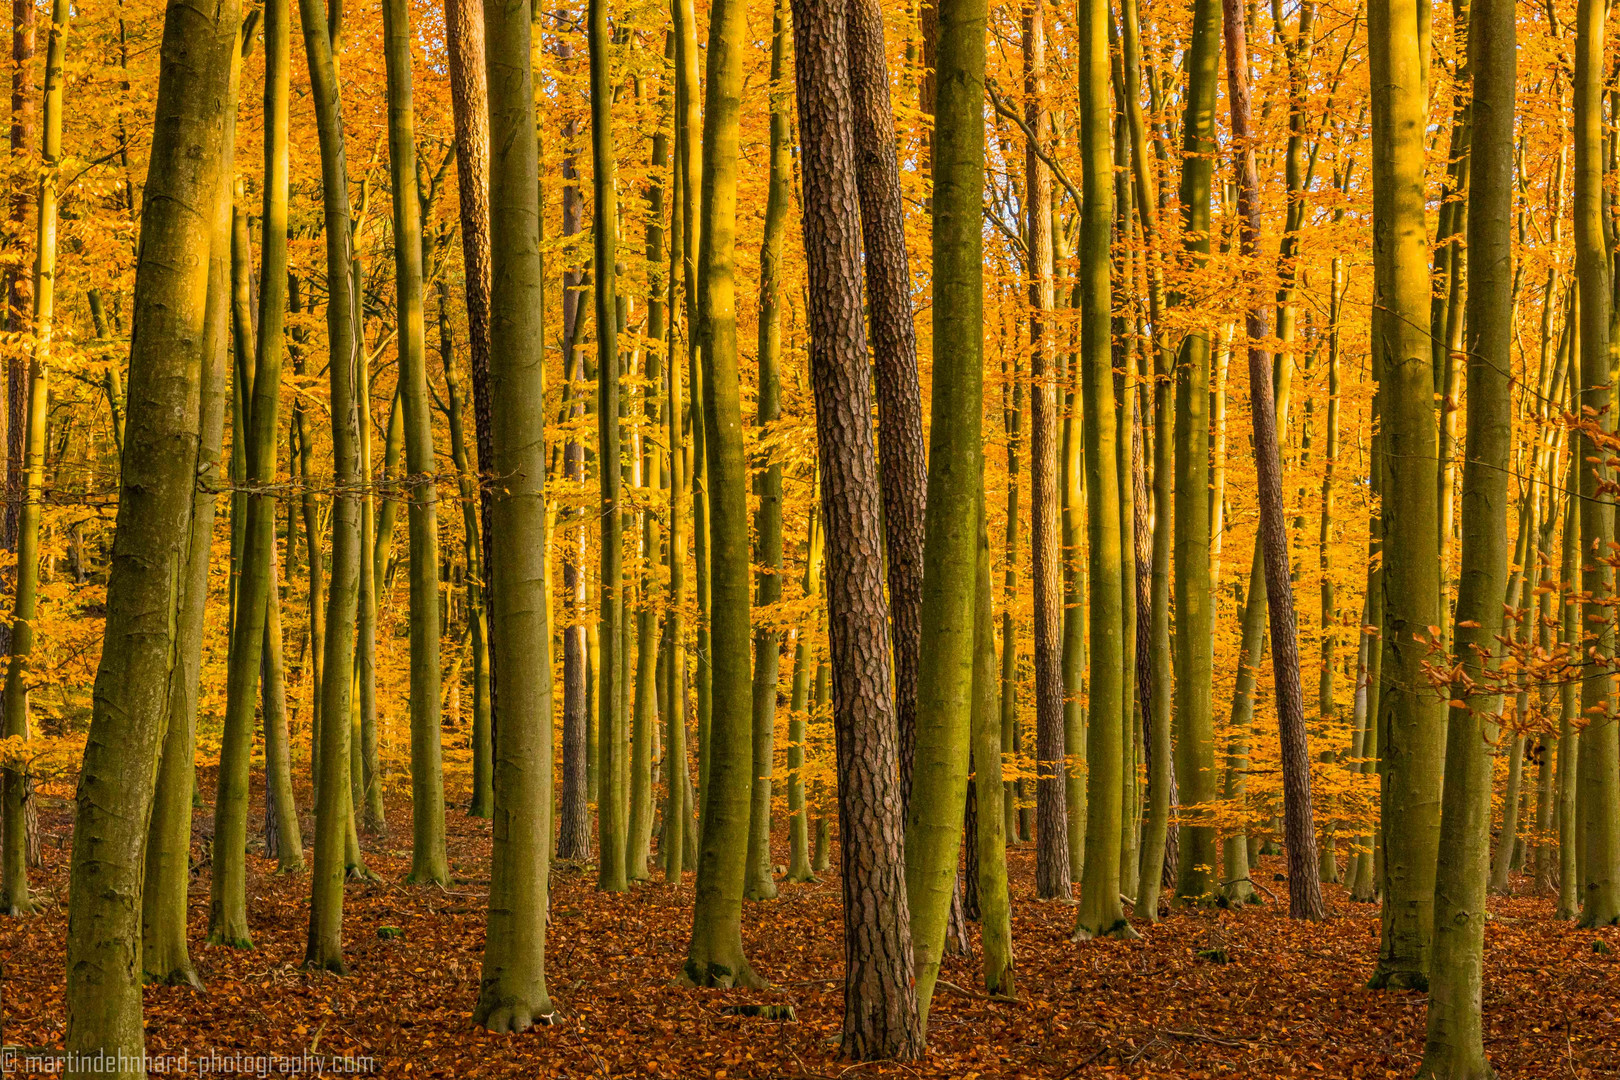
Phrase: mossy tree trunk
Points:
(1455, 1048)
(151, 551)
(1100, 913)
(1410, 714)
(759, 884)
(429, 862)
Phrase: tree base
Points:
(719, 977)
(441, 878)
(26, 907)
(1120, 931)
(332, 964)
(514, 1016)
(229, 940)
(1455, 1064)
(183, 976)
(360, 872)
(1384, 978)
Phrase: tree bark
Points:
(134, 684)
(512, 990)
(880, 1014)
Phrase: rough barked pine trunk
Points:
(1101, 913)
(429, 862)
(469, 102)
(1052, 879)
(1304, 886)
(1410, 710)
(945, 700)
(1194, 602)
(1455, 1048)
(1599, 784)
(715, 957)
(901, 457)
(759, 884)
(135, 682)
(165, 958)
(512, 989)
(880, 1014)
(334, 810)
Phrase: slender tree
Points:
(768, 480)
(1304, 887)
(901, 456)
(469, 103)
(429, 863)
(334, 810)
(610, 686)
(165, 957)
(1101, 913)
(1194, 601)
(16, 783)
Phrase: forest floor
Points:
(1290, 1002)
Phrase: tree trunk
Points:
(1410, 714)
(610, 625)
(799, 868)
(759, 884)
(1052, 879)
(1101, 913)
(1455, 1049)
(715, 957)
(1194, 603)
(512, 991)
(902, 460)
(283, 840)
(334, 812)
(990, 839)
(165, 958)
(880, 1014)
(1304, 886)
(469, 100)
(946, 700)
(429, 862)
(134, 684)
(16, 783)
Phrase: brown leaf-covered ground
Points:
(1290, 1003)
